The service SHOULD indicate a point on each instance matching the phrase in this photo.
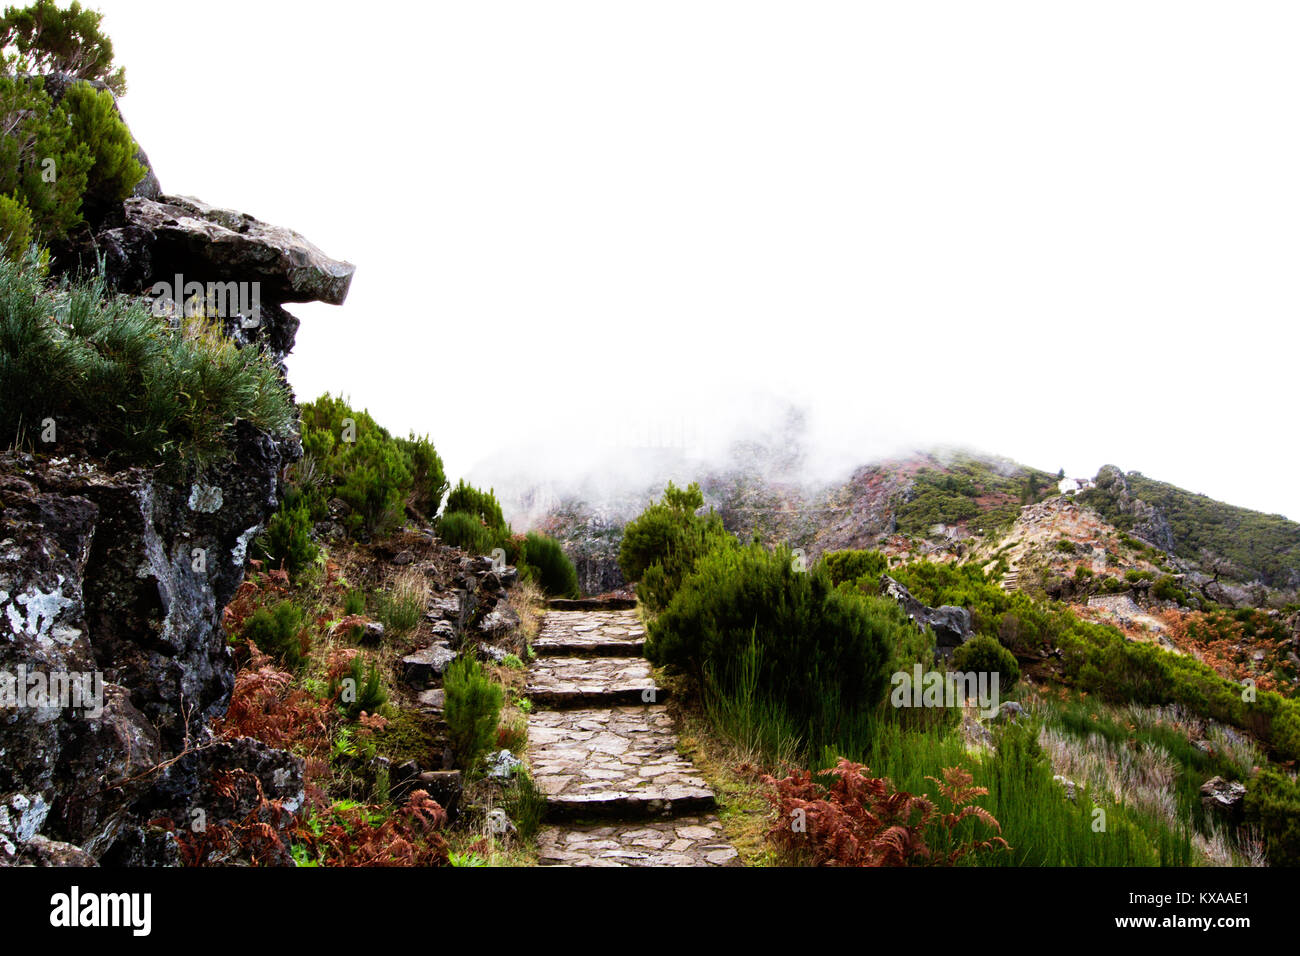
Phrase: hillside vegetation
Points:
(786, 662)
(1258, 546)
(986, 494)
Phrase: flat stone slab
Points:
(591, 681)
(684, 841)
(431, 701)
(590, 634)
(614, 761)
(420, 669)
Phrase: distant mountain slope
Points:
(943, 494)
(1258, 545)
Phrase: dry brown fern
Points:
(862, 820)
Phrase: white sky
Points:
(1065, 233)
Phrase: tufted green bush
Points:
(822, 653)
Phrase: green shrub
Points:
(823, 653)
(354, 602)
(552, 569)
(120, 380)
(472, 707)
(661, 546)
(287, 540)
(93, 115)
(278, 631)
(359, 689)
(43, 164)
(482, 504)
(852, 565)
(56, 157)
(15, 228)
(376, 475)
(1167, 589)
(467, 532)
(1273, 803)
(984, 655)
(375, 482)
(428, 480)
(45, 38)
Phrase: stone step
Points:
(592, 604)
(612, 762)
(593, 633)
(684, 841)
(568, 682)
(596, 647)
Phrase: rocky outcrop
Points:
(112, 585)
(247, 269)
(113, 580)
(1149, 523)
(467, 607)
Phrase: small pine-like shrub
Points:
(428, 480)
(359, 689)
(354, 602)
(95, 122)
(467, 532)
(15, 228)
(472, 707)
(482, 504)
(984, 655)
(43, 165)
(278, 631)
(375, 482)
(552, 569)
(287, 541)
(378, 476)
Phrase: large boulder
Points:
(951, 624)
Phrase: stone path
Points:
(602, 750)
